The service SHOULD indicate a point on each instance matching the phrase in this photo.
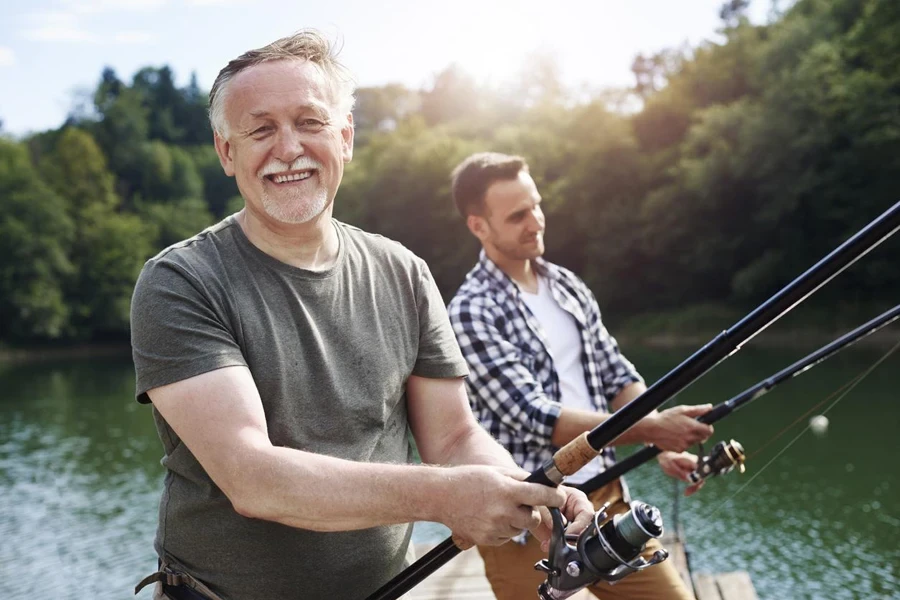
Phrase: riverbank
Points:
(690, 327)
(58, 352)
(806, 327)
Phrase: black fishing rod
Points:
(577, 453)
(720, 411)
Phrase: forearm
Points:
(323, 493)
(475, 446)
(573, 422)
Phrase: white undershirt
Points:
(564, 338)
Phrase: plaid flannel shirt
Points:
(513, 386)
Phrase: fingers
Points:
(699, 432)
(515, 473)
(535, 494)
(695, 410)
(678, 428)
(524, 518)
(693, 489)
(543, 531)
(678, 465)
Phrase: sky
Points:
(52, 52)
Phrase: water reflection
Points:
(80, 472)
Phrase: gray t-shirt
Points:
(330, 353)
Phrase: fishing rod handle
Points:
(573, 456)
(568, 460)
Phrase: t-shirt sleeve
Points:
(176, 330)
(439, 355)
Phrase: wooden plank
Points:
(705, 587)
(463, 577)
(736, 586)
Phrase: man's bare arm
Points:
(219, 416)
(673, 429)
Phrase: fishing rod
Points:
(720, 411)
(577, 453)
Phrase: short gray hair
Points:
(306, 44)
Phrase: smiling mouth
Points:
(289, 177)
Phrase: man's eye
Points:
(311, 123)
(261, 130)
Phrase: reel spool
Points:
(607, 550)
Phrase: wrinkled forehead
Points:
(276, 86)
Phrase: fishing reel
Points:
(723, 458)
(607, 550)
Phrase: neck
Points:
(519, 270)
(312, 245)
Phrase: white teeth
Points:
(294, 177)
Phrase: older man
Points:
(544, 369)
(286, 355)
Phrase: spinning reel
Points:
(607, 550)
(723, 458)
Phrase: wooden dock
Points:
(463, 579)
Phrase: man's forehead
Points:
(273, 85)
(506, 194)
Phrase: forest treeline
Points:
(724, 172)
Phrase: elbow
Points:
(240, 486)
(243, 502)
(248, 502)
(246, 507)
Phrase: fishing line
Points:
(847, 387)
(775, 437)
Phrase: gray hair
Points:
(306, 44)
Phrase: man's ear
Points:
(347, 139)
(223, 149)
(478, 226)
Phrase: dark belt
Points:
(181, 592)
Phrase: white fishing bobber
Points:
(819, 425)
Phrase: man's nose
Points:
(288, 145)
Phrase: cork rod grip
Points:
(574, 455)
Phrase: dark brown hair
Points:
(473, 176)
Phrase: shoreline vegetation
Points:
(64, 352)
(805, 327)
(686, 328)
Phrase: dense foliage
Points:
(746, 160)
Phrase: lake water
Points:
(80, 479)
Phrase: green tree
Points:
(35, 234)
(108, 248)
